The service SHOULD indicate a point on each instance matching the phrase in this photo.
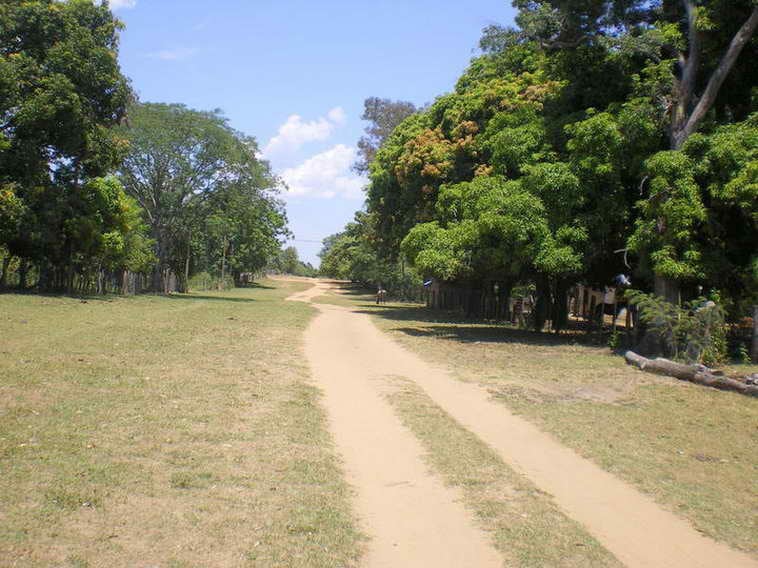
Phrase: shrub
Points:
(204, 281)
(614, 341)
(693, 332)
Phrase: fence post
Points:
(754, 347)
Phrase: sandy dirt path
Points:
(411, 518)
(408, 512)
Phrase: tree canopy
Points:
(61, 95)
(209, 201)
(591, 134)
(383, 116)
(94, 182)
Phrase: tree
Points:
(688, 50)
(189, 171)
(11, 213)
(695, 68)
(383, 116)
(242, 230)
(555, 153)
(288, 262)
(61, 94)
(352, 255)
(688, 108)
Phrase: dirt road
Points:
(412, 519)
(410, 516)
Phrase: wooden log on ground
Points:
(697, 374)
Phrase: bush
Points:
(743, 355)
(694, 332)
(614, 341)
(205, 281)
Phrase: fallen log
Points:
(698, 374)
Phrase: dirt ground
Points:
(412, 518)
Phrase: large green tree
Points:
(198, 180)
(691, 63)
(571, 139)
(61, 94)
(242, 230)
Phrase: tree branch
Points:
(691, 62)
(740, 39)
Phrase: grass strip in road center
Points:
(526, 526)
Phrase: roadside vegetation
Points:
(288, 262)
(590, 143)
(101, 192)
(171, 431)
(691, 448)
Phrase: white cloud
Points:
(337, 116)
(175, 54)
(327, 175)
(118, 4)
(295, 132)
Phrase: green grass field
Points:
(171, 431)
(691, 447)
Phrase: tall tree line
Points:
(591, 139)
(94, 183)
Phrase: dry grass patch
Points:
(692, 448)
(170, 431)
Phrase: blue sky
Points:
(294, 74)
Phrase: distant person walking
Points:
(381, 295)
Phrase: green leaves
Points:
(12, 211)
(442, 252)
(728, 164)
(494, 226)
(59, 62)
(670, 217)
(61, 94)
(202, 188)
(691, 332)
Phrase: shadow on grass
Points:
(84, 298)
(111, 296)
(203, 297)
(257, 285)
(452, 326)
(488, 334)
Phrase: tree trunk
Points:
(23, 270)
(693, 373)
(668, 289)
(754, 346)
(542, 305)
(223, 265)
(187, 261)
(159, 283)
(560, 307)
(686, 121)
(4, 274)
